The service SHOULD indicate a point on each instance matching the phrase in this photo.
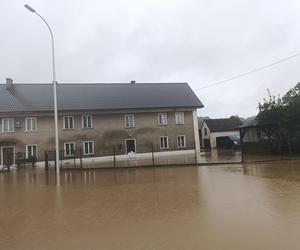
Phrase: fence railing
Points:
(269, 150)
(76, 159)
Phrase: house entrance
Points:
(130, 145)
(7, 156)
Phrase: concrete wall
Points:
(108, 131)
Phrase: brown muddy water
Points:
(255, 206)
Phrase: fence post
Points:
(114, 152)
(152, 155)
(74, 158)
(61, 158)
(80, 157)
(290, 148)
(55, 162)
(242, 133)
(46, 160)
(195, 152)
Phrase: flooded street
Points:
(252, 206)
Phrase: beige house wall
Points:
(108, 131)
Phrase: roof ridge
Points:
(95, 83)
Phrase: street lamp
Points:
(54, 88)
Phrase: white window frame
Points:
(164, 120)
(184, 141)
(1, 153)
(179, 121)
(132, 121)
(66, 151)
(31, 119)
(36, 150)
(134, 139)
(160, 145)
(87, 117)
(69, 117)
(93, 148)
(11, 124)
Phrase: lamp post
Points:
(54, 88)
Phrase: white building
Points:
(213, 131)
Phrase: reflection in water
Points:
(216, 207)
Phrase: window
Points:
(69, 148)
(179, 117)
(88, 147)
(68, 122)
(31, 151)
(164, 142)
(181, 141)
(205, 131)
(87, 121)
(30, 124)
(129, 121)
(8, 125)
(162, 119)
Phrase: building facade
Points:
(97, 119)
(214, 130)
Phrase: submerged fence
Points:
(269, 150)
(77, 159)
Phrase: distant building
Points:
(97, 117)
(213, 131)
(252, 131)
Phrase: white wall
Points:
(204, 126)
(196, 135)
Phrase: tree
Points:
(285, 114)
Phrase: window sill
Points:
(88, 155)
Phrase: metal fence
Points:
(113, 158)
(269, 150)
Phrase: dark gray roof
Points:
(39, 97)
(222, 125)
(250, 123)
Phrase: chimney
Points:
(132, 82)
(9, 83)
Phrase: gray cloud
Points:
(150, 41)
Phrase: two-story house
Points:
(97, 117)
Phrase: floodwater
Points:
(253, 206)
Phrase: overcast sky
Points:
(194, 41)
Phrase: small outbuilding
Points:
(215, 133)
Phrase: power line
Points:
(248, 72)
